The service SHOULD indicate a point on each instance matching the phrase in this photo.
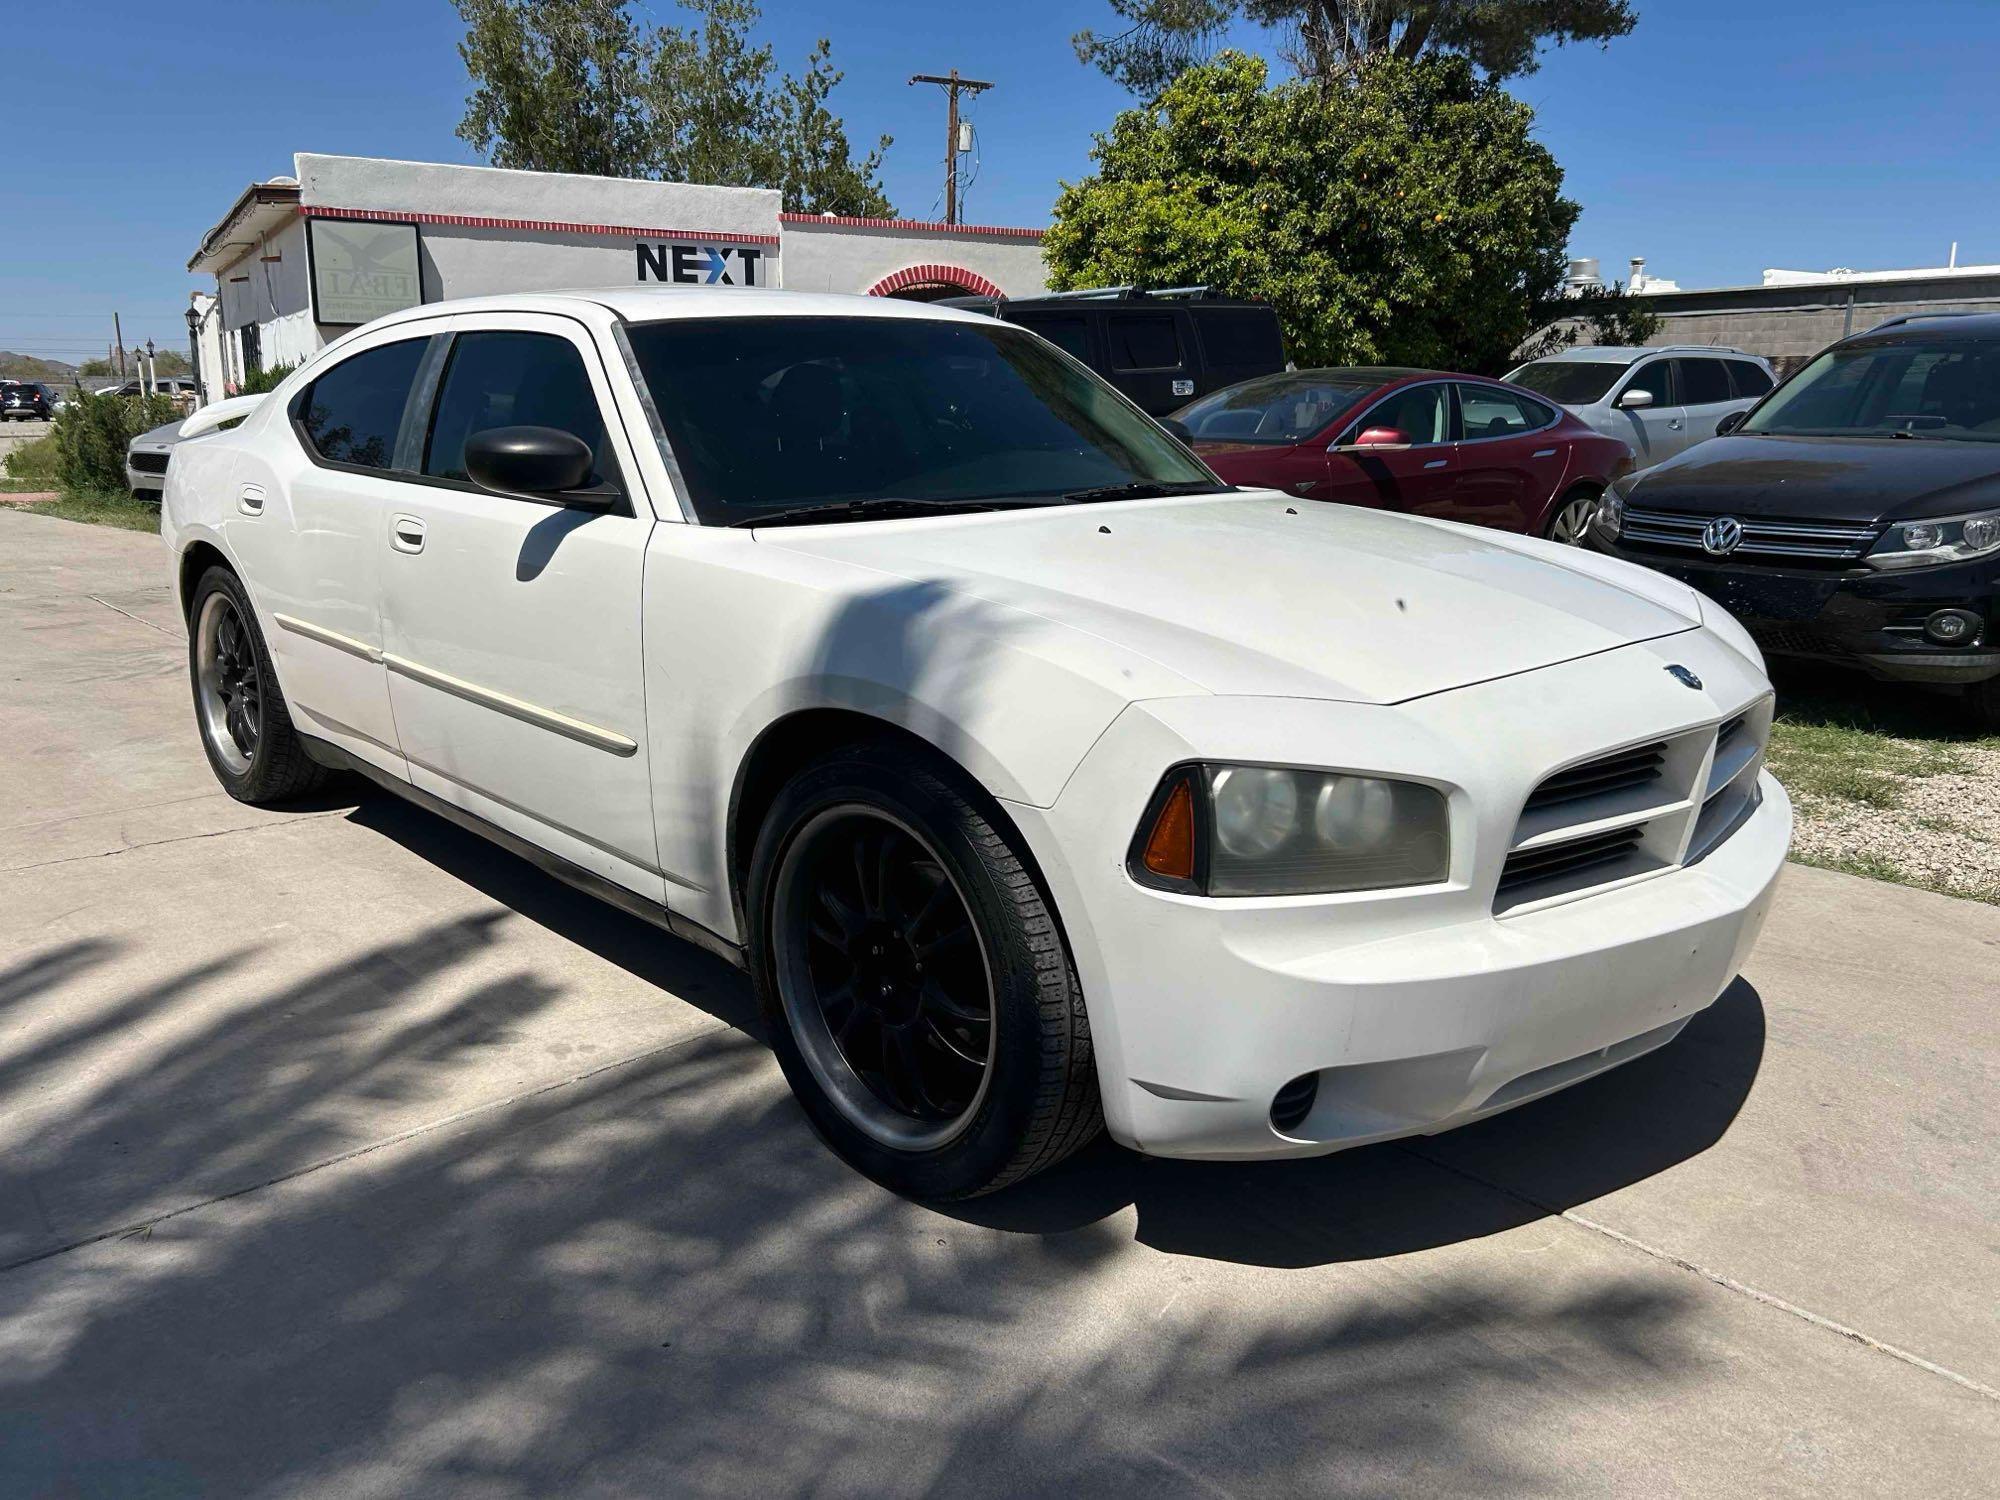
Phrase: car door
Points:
(1706, 396)
(1508, 460)
(1148, 357)
(512, 624)
(1654, 432)
(307, 532)
(1416, 479)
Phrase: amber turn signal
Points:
(1170, 846)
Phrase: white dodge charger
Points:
(1039, 779)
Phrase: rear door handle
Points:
(1675, 423)
(406, 534)
(250, 499)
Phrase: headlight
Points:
(1232, 830)
(1611, 514)
(1920, 544)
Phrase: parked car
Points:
(1660, 401)
(26, 401)
(1450, 446)
(1159, 348)
(1854, 516)
(146, 459)
(1036, 776)
(166, 385)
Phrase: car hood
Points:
(1825, 479)
(1245, 594)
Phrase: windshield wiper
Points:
(859, 510)
(1141, 489)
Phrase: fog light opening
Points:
(1292, 1103)
(1953, 627)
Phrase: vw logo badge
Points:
(1722, 536)
(1683, 676)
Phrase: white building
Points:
(299, 260)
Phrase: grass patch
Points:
(1858, 742)
(100, 508)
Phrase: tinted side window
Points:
(1422, 414)
(508, 379)
(1747, 379)
(1654, 378)
(351, 413)
(1704, 382)
(1241, 336)
(1069, 333)
(1489, 412)
(1143, 341)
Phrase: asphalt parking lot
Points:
(342, 1153)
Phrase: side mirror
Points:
(1377, 440)
(1730, 423)
(1634, 398)
(1179, 430)
(528, 460)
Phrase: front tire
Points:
(914, 981)
(246, 729)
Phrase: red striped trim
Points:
(542, 226)
(924, 225)
(910, 276)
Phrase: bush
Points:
(265, 381)
(38, 460)
(91, 433)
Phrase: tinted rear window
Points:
(351, 413)
(1241, 336)
(1704, 382)
(1574, 382)
(1143, 341)
(1747, 379)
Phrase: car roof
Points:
(650, 304)
(1974, 325)
(1627, 354)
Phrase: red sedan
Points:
(1452, 446)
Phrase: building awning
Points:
(263, 207)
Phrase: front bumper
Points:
(1857, 618)
(143, 483)
(1417, 1010)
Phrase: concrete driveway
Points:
(341, 1153)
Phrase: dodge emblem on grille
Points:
(1722, 536)
(1683, 676)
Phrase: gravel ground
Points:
(1945, 834)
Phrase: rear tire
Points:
(914, 981)
(246, 729)
(1573, 517)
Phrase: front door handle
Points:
(250, 499)
(406, 534)
(1437, 463)
(1675, 423)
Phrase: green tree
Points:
(1322, 38)
(576, 86)
(1405, 217)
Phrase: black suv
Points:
(28, 400)
(1162, 348)
(1853, 515)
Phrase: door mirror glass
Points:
(528, 460)
(1635, 397)
(1730, 423)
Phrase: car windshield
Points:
(769, 414)
(1916, 387)
(1276, 409)
(1573, 382)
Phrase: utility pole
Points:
(952, 85)
(118, 336)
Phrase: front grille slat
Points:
(1621, 771)
(1558, 860)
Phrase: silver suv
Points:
(1658, 400)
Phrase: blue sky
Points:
(1718, 139)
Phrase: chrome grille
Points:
(1808, 542)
